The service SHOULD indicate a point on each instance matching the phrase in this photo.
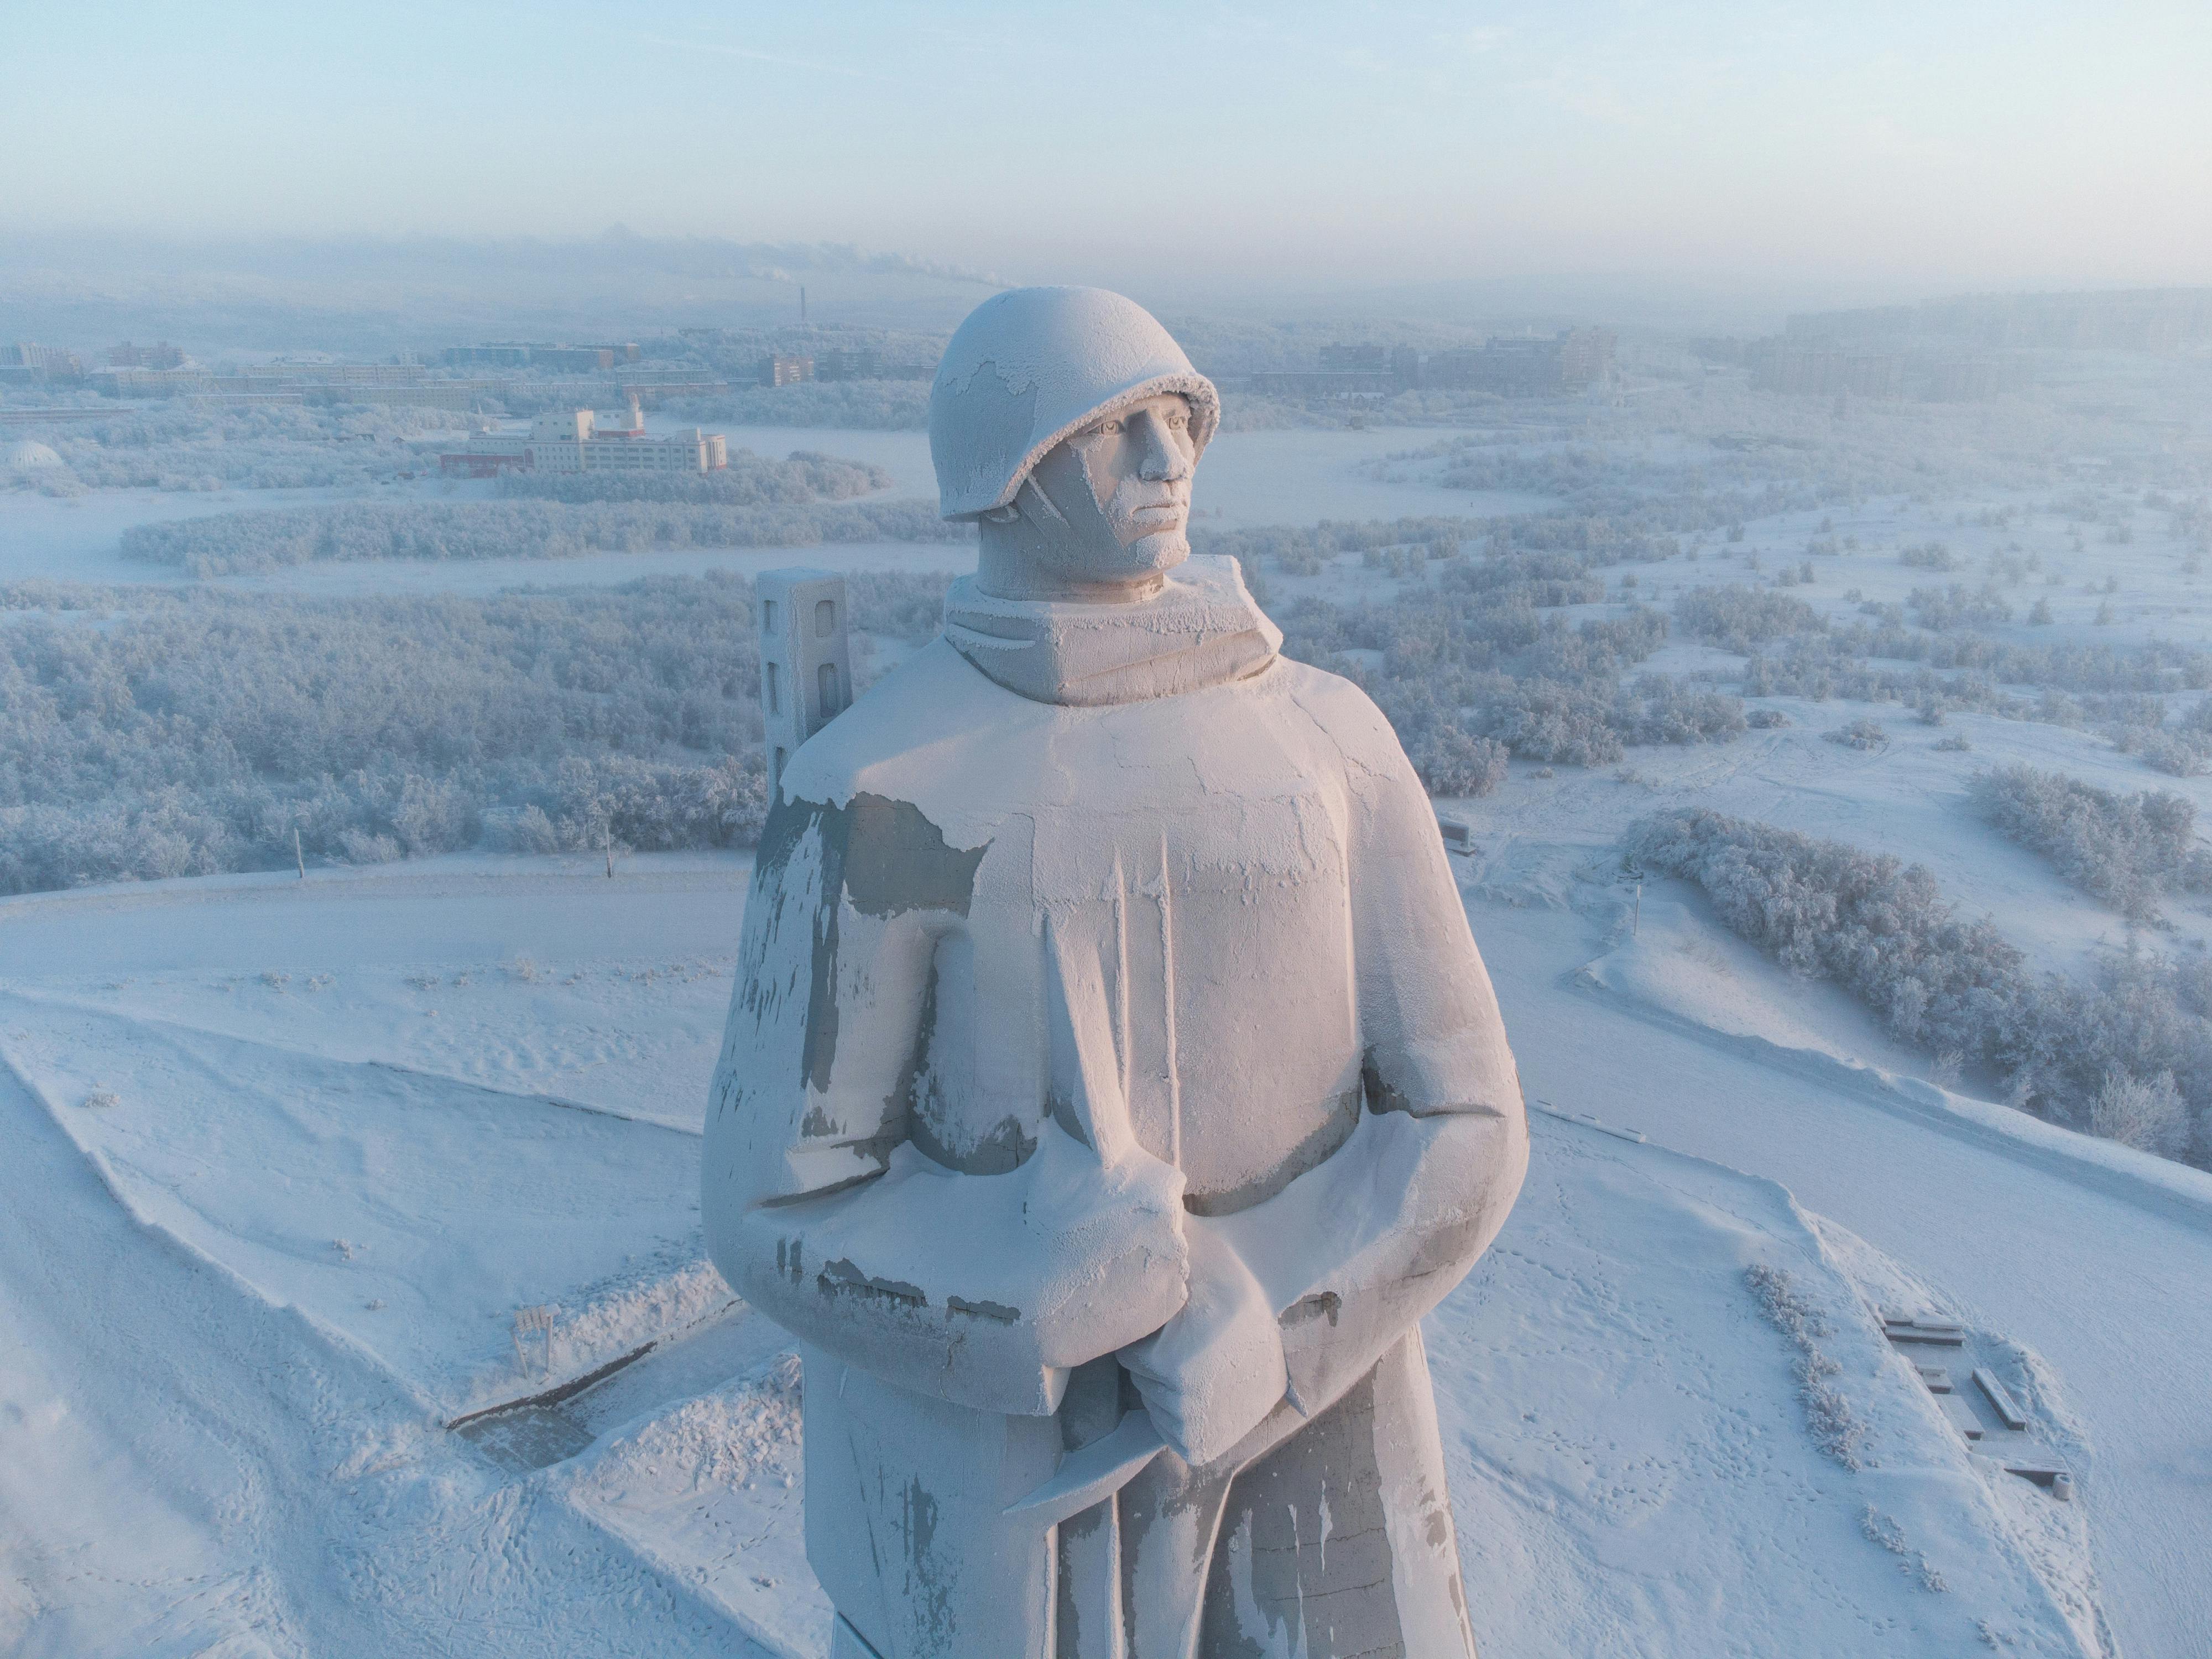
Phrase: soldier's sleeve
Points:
(1356, 1251)
(819, 1208)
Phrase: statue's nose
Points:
(1162, 460)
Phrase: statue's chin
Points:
(1125, 564)
(1149, 555)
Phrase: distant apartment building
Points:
(1586, 356)
(332, 374)
(541, 354)
(1355, 360)
(2163, 320)
(1969, 379)
(658, 392)
(573, 360)
(806, 669)
(161, 355)
(1778, 366)
(583, 441)
(152, 382)
(488, 356)
(25, 363)
(1508, 366)
(785, 369)
(463, 396)
(1870, 323)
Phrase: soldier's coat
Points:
(1199, 881)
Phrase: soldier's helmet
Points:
(1032, 366)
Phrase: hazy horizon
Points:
(1194, 151)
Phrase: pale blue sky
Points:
(1924, 143)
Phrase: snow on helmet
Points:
(1033, 365)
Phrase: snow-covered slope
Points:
(210, 1440)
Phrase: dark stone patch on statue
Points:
(1342, 1117)
(885, 859)
(1326, 1304)
(1328, 1590)
(896, 860)
(1006, 1149)
(998, 1312)
(930, 1596)
(1089, 1410)
(1075, 1534)
(1382, 1096)
(843, 1278)
(1437, 1524)
(790, 820)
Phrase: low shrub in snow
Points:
(1861, 734)
(1743, 618)
(2129, 850)
(1836, 1428)
(1881, 930)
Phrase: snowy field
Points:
(304, 1137)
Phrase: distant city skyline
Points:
(1303, 146)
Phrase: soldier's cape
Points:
(1075, 866)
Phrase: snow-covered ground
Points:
(285, 1153)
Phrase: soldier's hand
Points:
(1214, 1371)
(1108, 1247)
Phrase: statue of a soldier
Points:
(1112, 1082)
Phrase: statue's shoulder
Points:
(1334, 704)
(909, 711)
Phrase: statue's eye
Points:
(1177, 421)
(1110, 425)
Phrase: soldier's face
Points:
(1122, 486)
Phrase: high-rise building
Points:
(333, 374)
(1531, 366)
(542, 354)
(161, 355)
(1780, 368)
(25, 363)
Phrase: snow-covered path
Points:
(2116, 1293)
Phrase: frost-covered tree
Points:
(2129, 850)
(2145, 1113)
